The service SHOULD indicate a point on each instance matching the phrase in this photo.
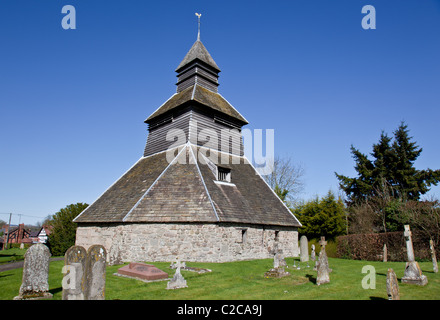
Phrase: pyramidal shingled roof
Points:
(198, 51)
(156, 191)
(210, 99)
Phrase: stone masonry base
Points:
(130, 242)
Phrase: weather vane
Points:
(198, 34)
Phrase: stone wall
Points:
(190, 242)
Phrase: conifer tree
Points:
(63, 234)
(392, 170)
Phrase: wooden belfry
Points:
(178, 185)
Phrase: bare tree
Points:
(425, 216)
(286, 179)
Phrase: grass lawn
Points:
(244, 280)
(11, 255)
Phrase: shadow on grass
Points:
(383, 274)
(377, 298)
(56, 290)
(8, 255)
(311, 278)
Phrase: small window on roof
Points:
(223, 174)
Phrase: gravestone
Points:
(35, 274)
(313, 257)
(322, 266)
(74, 268)
(385, 253)
(392, 285)
(434, 258)
(413, 273)
(95, 273)
(304, 250)
(178, 281)
(176, 263)
(278, 267)
(279, 260)
(142, 271)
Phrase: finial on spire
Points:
(198, 33)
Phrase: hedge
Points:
(370, 246)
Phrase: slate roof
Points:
(198, 51)
(201, 95)
(154, 190)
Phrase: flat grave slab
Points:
(142, 271)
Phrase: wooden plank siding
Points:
(199, 80)
(157, 142)
(200, 122)
(192, 123)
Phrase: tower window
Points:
(223, 174)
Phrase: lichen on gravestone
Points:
(35, 283)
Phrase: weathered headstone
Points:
(413, 273)
(178, 281)
(278, 260)
(313, 257)
(392, 285)
(74, 269)
(323, 268)
(385, 253)
(35, 283)
(304, 250)
(278, 267)
(409, 245)
(95, 273)
(434, 258)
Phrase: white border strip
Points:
(152, 185)
(203, 181)
(224, 183)
(233, 107)
(300, 225)
(108, 189)
(161, 105)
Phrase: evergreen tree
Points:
(322, 217)
(392, 170)
(63, 234)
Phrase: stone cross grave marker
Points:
(95, 273)
(178, 281)
(413, 273)
(278, 266)
(74, 270)
(278, 259)
(409, 245)
(313, 253)
(35, 274)
(323, 268)
(434, 258)
(304, 250)
(392, 285)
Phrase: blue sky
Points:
(73, 102)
